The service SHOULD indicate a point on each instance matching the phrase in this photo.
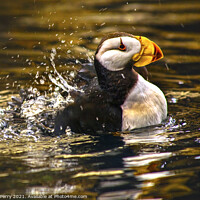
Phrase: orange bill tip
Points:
(158, 54)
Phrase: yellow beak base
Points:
(150, 52)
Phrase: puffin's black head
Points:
(115, 58)
(118, 49)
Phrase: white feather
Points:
(145, 105)
(112, 58)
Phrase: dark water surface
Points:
(39, 36)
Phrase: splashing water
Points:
(62, 83)
(37, 112)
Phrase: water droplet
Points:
(34, 90)
(180, 82)
(72, 74)
(37, 74)
(173, 100)
(42, 81)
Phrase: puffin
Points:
(119, 98)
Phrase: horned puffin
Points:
(121, 99)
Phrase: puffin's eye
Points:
(122, 47)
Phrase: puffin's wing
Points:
(89, 117)
(87, 72)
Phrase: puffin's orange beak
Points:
(150, 52)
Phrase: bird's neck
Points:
(116, 84)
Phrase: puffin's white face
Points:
(116, 52)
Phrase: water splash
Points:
(37, 112)
(61, 82)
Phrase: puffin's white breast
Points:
(145, 105)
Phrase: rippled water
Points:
(43, 41)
